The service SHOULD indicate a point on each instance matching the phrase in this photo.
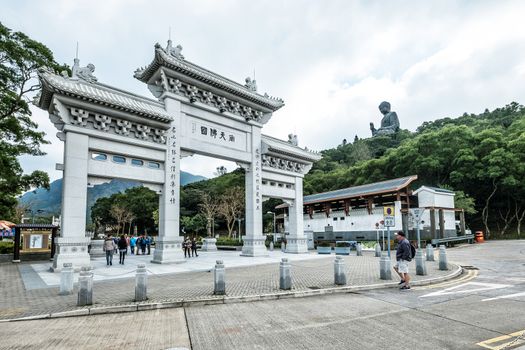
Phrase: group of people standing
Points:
(136, 244)
(190, 247)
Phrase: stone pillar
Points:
(441, 223)
(296, 239)
(359, 249)
(219, 278)
(421, 267)
(85, 286)
(385, 269)
(66, 279)
(430, 252)
(141, 283)
(339, 271)
(271, 246)
(72, 245)
(443, 258)
(254, 239)
(462, 221)
(433, 233)
(285, 275)
(168, 247)
(209, 245)
(378, 250)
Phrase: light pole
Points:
(239, 221)
(274, 230)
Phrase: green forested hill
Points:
(481, 155)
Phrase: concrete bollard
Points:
(339, 271)
(219, 281)
(271, 246)
(378, 251)
(359, 249)
(141, 283)
(66, 279)
(283, 249)
(430, 252)
(443, 258)
(385, 268)
(85, 286)
(285, 275)
(421, 267)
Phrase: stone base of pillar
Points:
(296, 246)
(168, 251)
(254, 247)
(71, 250)
(97, 248)
(209, 245)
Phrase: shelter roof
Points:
(100, 94)
(375, 188)
(36, 226)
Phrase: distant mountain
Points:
(50, 201)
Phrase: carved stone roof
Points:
(100, 94)
(163, 59)
(272, 145)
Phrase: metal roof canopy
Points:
(36, 226)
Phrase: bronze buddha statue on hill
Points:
(389, 123)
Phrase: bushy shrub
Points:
(324, 244)
(6, 247)
(228, 241)
(343, 244)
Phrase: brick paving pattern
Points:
(18, 302)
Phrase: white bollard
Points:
(271, 246)
(339, 271)
(378, 251)
(85, 286)
(443, 258)
(359, 249)
(285, 275)
(430, 252)
(421, 267)
(141, 283)
(219, 278)
(66, 279)
(385, 268)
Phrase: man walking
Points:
(403, 257)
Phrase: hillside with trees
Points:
(482, 157)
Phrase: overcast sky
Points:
(332, 62)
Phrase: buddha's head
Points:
(384, 107)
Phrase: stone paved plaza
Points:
(24, 292)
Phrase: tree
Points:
(209, 208)
(20, 58)
(120, 214)
(231, 206)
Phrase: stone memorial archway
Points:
(110, 133)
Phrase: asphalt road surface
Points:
(482, 309)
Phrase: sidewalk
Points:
(28, 291)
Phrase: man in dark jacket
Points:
(403, 257)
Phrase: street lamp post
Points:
(274, 230)
(239, 221)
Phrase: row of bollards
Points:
(85, 281)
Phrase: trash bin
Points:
(479, 237)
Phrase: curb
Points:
(100, 310)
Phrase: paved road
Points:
(483, 309)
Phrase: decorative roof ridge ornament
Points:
(84, 73)
(293, 139)
(174, 51)
(251, 84)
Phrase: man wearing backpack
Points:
(403, 257)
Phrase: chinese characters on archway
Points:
(171, 167)
(257, 179)
(217, 134)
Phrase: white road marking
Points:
(477, 288)
(506, 296)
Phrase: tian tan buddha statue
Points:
(389, 123)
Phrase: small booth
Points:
(34, 241)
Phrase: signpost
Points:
(390, 221)
(418, 212)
